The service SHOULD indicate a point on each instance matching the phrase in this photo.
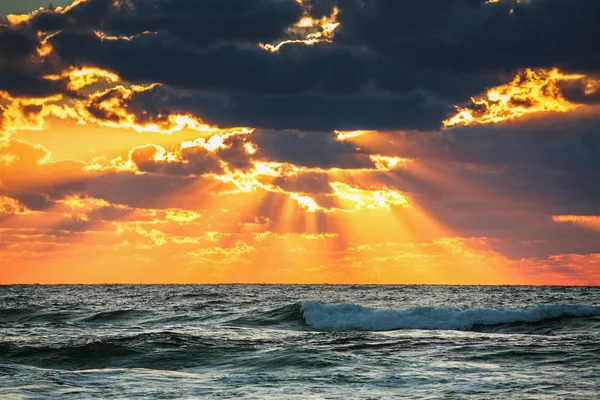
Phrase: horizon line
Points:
(293, 284)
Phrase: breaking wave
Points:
(344, 317)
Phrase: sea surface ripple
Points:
(299, 342)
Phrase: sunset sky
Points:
(300, 141)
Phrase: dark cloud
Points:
(201, 22)
(392, 65)
(308, 112)
(319, 150)
(313, 183)
(565, 142)
(16, 44)
(24, 84)
(35, 201)
(234, 153)
(469, 35)
(582, 91)
(227, 67)
(21, 74)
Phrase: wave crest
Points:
(343, 317)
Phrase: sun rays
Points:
(237, 223)
(94, 176)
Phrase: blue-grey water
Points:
(303, 342)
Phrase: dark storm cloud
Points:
(202, 22)
(27, 84)
(563, 141)
(392, 64)
(314, 112)
(19, 75)
(16, 44)
(469, 35)
(163, 58)
(307, 111)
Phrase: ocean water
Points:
(299, 342)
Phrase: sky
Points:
(300, 141)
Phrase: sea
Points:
(299, 342)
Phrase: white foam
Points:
(355, 317)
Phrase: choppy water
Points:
(305, 342)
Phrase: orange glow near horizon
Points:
(213, 232)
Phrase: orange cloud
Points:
(563, 269)
(585, 221)
(530, 92)
(81, 77)
(106, 107)
(344, 135)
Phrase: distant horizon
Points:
(292, 284)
